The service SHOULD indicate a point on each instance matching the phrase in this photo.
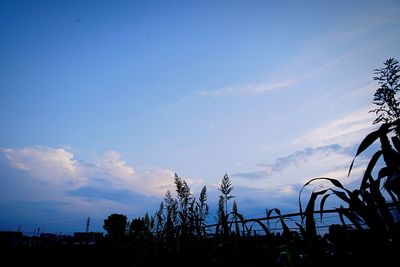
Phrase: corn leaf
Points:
(368, 140)
(263, 226)
(309, 214)
(351, 216)
(370, 167)
(341, 195)
(396, 143)
(321, 206)
(333, 181)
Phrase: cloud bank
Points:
(57, 167)
(52, 181)
(287, 174)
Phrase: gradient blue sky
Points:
(101, 102)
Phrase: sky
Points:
(102, 102)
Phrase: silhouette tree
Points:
(385, 96)
(115, 225)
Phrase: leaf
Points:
(351, 216)
(381, 204)
(241, 218)
(368, 140)
(390, 155)
(396, 142)
(285, 228)
(341, 215)
(370, 167)
(341, 195)
(384, 172)
(277, 211)
(265, 228)
(321, 206)
(309, 214)
(302, 230)
(333, 181)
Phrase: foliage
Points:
(171, 209)
(115, 225)
(159, 219)
(201, 212)
(367, 204)
(185, 205)
(177, 234)
(226, 188)
(385, 96)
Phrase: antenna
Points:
(87, 224)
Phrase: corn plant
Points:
(286, 230)
(366, 204)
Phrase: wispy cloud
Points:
(345, 131)
(250, 89)
(364, 26)
(262, 88)
(286, 174)
(159, 109)
(384, 17)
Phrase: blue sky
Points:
(101, 102)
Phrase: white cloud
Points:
(58, 168)
(345, 131)
(250, 89)
(287, 190)
(287, 173)
(257, 89)
(112, 165)
(49, 178)
(55, 166)
(155, 182)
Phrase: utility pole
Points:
(87, 224)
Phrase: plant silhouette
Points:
(386, 97)
(116, 225)
(366, 234)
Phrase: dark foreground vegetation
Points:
(177, 235)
